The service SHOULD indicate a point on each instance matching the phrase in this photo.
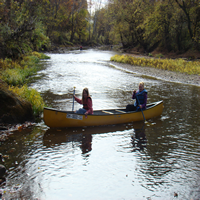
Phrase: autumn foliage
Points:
(177, 65)
(171, 25)
(27, 25)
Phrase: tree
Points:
(18, 22)
(191, 10)
(128, 17)
(76, 7)
(186, 6)
(157, 26)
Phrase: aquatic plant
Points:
(178, 65)
(30, 95)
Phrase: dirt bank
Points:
(13, 109)
(14, 112)
(160, 74)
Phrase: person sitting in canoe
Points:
(86, 101)
(141, 99)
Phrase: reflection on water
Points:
(127, 161)
(139, 140)
(57, 137)
(83, 136)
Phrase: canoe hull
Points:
(55, 118)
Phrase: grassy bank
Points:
(178, 65)
(16, 74)
(30, 95)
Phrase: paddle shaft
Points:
(140, 108)
(73, 100)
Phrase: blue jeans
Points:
(81, 111)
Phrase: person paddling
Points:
(141, 99)
(86, 101)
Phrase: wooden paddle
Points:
(73, 99)
(141, 108)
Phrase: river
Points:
(155, 160)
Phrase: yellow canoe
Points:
(56, 118)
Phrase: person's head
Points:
(85, 93)
(141, 86)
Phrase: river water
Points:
(151, 160)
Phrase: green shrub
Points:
(159, 55)
(150, 55)
(40, 55)
(30, 95)
(17, 72)
(18, 76)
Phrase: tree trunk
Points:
(183, 7)
(121, 38)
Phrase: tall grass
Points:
(17, 76)
(17, 72)
(178, 65)
(30, 95)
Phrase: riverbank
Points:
(159, 73)
(20, 105)
(172, 76)
(174, 69)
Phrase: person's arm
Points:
(134, 94)
(89, 104)
(78, 100)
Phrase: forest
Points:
(36, 25)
